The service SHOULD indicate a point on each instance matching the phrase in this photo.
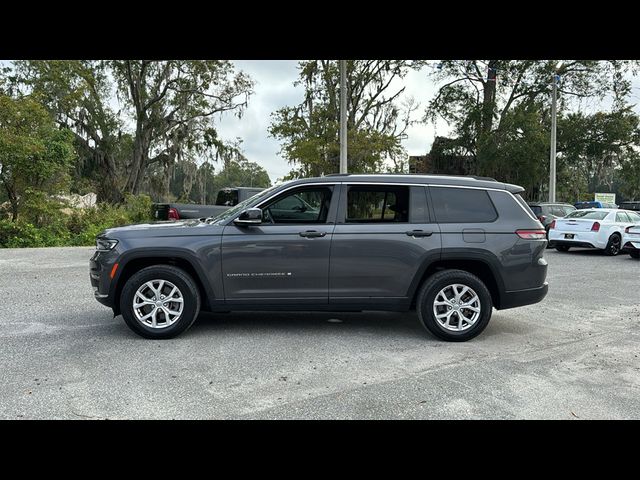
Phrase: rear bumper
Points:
(571, 243)
(519, 298)
(581, 239)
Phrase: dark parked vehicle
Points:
(547, 212)
(450, 247)
(631, 205)
(225, 199)
(594, 204)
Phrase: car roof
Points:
(453, 180)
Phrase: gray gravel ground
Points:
(575, 355)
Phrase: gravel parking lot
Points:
(574, 356)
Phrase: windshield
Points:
(588, 214)
(241, 206)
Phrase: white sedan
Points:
(631, 240)
(600, 228)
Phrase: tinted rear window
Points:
(462, 205)
(588, 214)
(536, 209)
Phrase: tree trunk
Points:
(140, 158)
(484, 151)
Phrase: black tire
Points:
(437, 282)
(175, 275)
(613, 245)
(549, 243)
(562, 248)
(634, 253)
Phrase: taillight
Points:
(595, 227)
(532, 234)
(553, 225)
(173, 214)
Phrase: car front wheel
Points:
(454, 305)
(160, 301)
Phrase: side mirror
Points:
(250, 216)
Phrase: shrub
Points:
(51, 225)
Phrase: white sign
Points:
(605, 197)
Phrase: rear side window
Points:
(537, 210)
(463, 205)
(588, 214)
(622, 217)
(377, 204)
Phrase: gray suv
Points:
(453, 248)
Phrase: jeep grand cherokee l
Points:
(453, 248)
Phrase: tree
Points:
(376, 123)
(172, 104)
(34, 154)
(78, 94)
(477, 98)
(593, 148)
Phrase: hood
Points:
(163, 229)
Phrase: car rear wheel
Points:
(454, 305)
(160, 301)
(562, 248)
(613, 245)
(635, 254)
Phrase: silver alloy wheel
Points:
(158, 303)
(456, 307)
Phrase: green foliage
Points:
(72, 227)
(34, 154)
(499, 113)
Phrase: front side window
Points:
(377, 204)
(462, 205)
(309, 205)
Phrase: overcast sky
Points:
(274, 89)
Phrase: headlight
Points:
(105, 244)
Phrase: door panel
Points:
(286, 258)
(381, 259)
(275, 261)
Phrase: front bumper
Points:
(100, 266)
(519, 298)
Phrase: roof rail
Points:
(337, 174)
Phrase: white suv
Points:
(600, 228)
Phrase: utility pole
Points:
(552, 158)
(343, 116)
